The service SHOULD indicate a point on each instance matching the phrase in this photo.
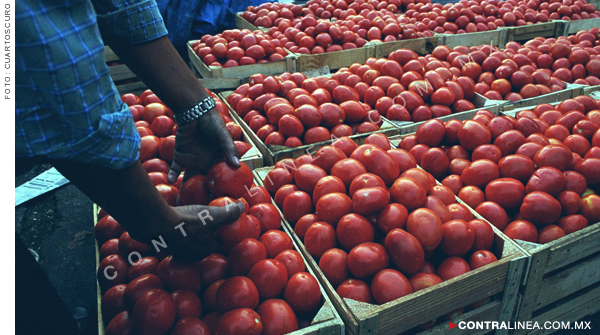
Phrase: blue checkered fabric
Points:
(67, 106)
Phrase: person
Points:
(69, 114)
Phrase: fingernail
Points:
(236, 160)
(242, 207)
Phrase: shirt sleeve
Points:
(127, 22)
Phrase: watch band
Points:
(195, 112)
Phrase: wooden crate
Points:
(571, 91)
(274, 154)
(422, 46)
(529, 32)
(500, 278)
(592, 90)
(253, 157)
(336, 59)
(219, 78)
(480, 102)
(326, 322)
(241, 23)
(497, 38)
(572, 27)
(125, 80)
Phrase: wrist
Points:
(193, 113)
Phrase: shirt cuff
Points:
(135, 24)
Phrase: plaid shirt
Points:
(67, 106)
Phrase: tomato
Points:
(423, 280)
(292, 261)
(270, 277)
(481, 258)
(187, 304)
(506, 192)
(244, 255)
(355, 289)
(113, 302)
(365, 180)
(487, 151)
(483, 235)
(388, 285)
(409, 193)
(127, 246)
(379, 162)
(494, 213)
(522, 230)
(452, 267)
(334, 264)
(458, 238)
(391, 217)
(282, 193)
(267, 215)
(590, 169)
(431, 133)
(368, 201)
(345, 144)
(352, 230)
(460, 212)
(550, 233)
(154, 312)
(519, 167)
(307, 176)
(480, 173)
(572, 223)
(194, 191)
(296, 205)
(241, 321)
(590, 207)
(225, 181)
(302, 293)
(435, 162)
(405, 251)
(237, 292)
(472, 134)
(112, 271)
(471, 195)
(366, 259)
(190, 325)
(110, 247)
(178, 275)
(277, 317)
(212, 268)
(257, 195)
(556, 156)
(540, 208)
(319, 238)
(120, 324)
(326, 157)
(331, 207)
(422, 177)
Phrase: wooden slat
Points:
(485, 313)
(109, 55)
(572, 27)
(95, 211)
(422, 46)
(334, 60)
(568, 281)
(574, 247)
(241, 23)
(136, 88)
(121, 72)
(580, 305)
(497, 38)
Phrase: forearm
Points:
(127, 194)
(161, 68)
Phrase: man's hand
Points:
(201, 144)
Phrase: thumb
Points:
(228, 147)
(211, 216)
(174, 172)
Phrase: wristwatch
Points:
(195, 112)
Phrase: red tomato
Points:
(190, 326)
(521, 230)
(241, 321)
(209, 298)
(194, 191)
(156, 165)
(326, 157)
(572, 223)
(365, 180)
(110, 247)
(120, 324)
(550, 233)
(225, 181)
(546, 179)
(471, 195)
(409, 193)
(132, 249)
(154, 312)
(431, 133)
(283, 192)
(267, 215)
(381, 163)
(480, 173)
(187, 304)
(113, 302)
(483, 233)
(540, 208)
(302, 293)
(366, 259)
(334, 264)
(481, 258)
(435, 204)
(473, 134)
(355, 289)
(426, 226)
(506, 192)
(388, 285)
(354, 229)
(307, 176)
(494, 213)
(348, 169)
(237, 292)
(270, 277)
(112, 271)
(557, 156)
(319, 238)
(276, 241)
(452, 267)
(391, 217)
(368, 201)
(296, 205)
(332, 207)
(590, 207)
(405, 251)
(178, 275)
(458, 238)
(277, 317)
(257, 195)
(328, 185)
(168, 192)
(212, 268)
(292, 261)
(244, 255)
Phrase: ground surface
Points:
(59, 226)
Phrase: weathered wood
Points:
(241, 23)
(497, 38)
(334, 60)
(136, 88)
(572, 27)
(109, 55)
(95, 211)
(571, 91)
(422, 46)
(486, 313)
(528, 32)
(573, 247)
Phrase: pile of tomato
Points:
(379, 227)
(534, 177)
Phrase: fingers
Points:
(174, 172)
(223, 215)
